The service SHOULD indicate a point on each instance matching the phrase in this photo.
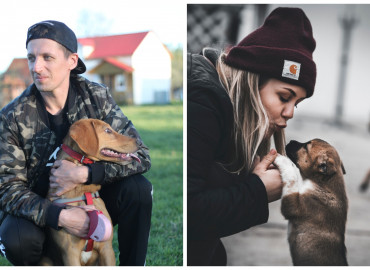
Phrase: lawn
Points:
(161, 130)
(161, 127)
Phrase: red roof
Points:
(109, 46)
(118, 64)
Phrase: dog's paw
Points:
(289, 174)
(282, 161)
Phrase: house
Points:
(14, 80)
(136, 67)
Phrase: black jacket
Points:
(219, 203)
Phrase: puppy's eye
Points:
(323, 167)
(108, 130)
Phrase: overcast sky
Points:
(166, 18)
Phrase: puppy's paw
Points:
(289, 174)
(282, 162)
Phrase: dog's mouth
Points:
(122, 156)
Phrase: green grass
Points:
(160, 127)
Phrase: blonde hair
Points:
(251, 121)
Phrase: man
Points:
(34, 125)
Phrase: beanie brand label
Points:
(291, 69)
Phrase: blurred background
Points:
(338, 112)
(129, 46)
(135, 48)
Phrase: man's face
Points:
(48, 65)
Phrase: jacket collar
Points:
(40, 104)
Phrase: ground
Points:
(266, 245)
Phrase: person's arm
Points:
(217, 212)
(16, 198)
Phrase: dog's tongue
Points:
(130, 155)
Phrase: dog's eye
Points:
(108, 130)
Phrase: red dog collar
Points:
(77, 156)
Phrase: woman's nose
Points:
(288, 111)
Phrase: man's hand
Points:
(269, 175)
(75, 220)
(65, 176)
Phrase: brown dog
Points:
(95, 140)
(315, 203)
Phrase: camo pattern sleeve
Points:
(16, 197)
(107, 110)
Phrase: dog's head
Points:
(316, 159)
(98, 141)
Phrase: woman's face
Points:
(279, 100)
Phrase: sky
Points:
(167, 19)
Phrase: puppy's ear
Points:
(83, 133)
(342, 166)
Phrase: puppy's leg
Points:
(290, 175)
(292, 180)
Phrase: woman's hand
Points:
(269, 175)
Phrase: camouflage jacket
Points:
(26, 144)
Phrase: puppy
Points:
(315, 203)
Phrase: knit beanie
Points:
(281, 48)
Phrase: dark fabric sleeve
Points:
(96, 173)
(219, 203)
(52, 216)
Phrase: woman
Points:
(238, 101)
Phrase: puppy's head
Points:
(316, 159)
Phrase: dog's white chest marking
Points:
(85, 256)
(307, 186)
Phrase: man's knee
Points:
(21, 241)
(138, 189)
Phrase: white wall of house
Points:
(84, 51)
(152, 71)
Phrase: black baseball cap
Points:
(60, 33)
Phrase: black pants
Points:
(129, 203)
(206, 253)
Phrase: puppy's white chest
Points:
(306, 186)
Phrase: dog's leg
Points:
(107, 256)
(290, 175)
(292, 181)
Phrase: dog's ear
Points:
(342, 166)
(84, 135)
